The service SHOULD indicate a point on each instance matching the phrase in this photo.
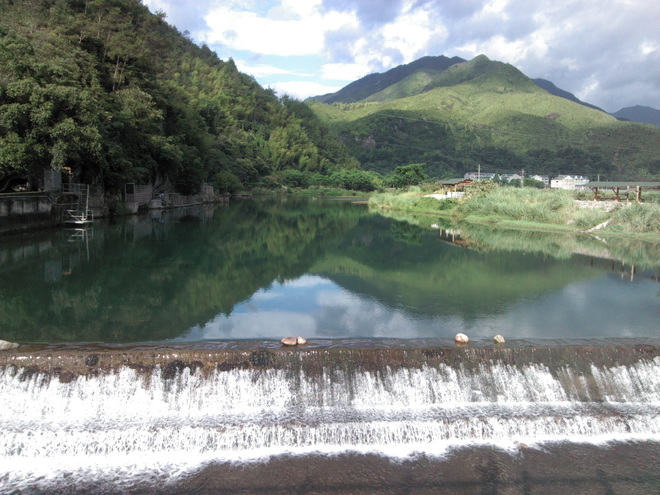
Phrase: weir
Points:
(98, 411)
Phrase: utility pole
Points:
(522, 179)
(479, 172)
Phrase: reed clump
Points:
(638, 217)
(524, 204)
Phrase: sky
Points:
(605, 52)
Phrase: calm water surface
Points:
(264, 269)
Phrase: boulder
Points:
(461, 338)
(5, 346)
(301, 341)
(499, 339)
(290, 341)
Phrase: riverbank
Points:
(532, 209)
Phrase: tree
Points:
(408, 175)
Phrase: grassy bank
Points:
(533, 209)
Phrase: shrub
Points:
(357, 180)
(320, 180)
(226, 182)
(269, 182)
(295, 178)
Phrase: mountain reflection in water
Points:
(268, 268)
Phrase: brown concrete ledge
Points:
(68, 362)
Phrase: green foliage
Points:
(294, 178)
(356, 180)
(536, 184)
(111, 91)
(226, 182)
(407, 175)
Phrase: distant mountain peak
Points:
(639, 113)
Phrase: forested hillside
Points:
(117, 95)
(487, 113)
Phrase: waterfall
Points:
(130, 420)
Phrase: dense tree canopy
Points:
(116, 94)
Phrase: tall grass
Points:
(638, 217)
(526, 204)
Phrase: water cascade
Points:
(117, 413)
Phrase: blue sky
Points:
(606, 52)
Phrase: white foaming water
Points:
(128, 424)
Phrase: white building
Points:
(569, 182)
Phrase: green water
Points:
(262, 269)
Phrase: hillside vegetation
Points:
(115, 94)
(484, 113)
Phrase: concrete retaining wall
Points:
(25, 211)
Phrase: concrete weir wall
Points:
(68, 363)
(21, 212)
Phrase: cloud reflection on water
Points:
(316, 307)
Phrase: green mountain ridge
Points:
(487, 113)
(373, 83)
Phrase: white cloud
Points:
(344, 72)
(303, 89)
(267, 324)
(306, 281)
(648, 47)
(410, 33)
(501, 49)
(262, 70)
(295, 28)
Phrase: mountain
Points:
(554, 90)
(455, 115)
(373, 83)
(639, 113)
(116, 95)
